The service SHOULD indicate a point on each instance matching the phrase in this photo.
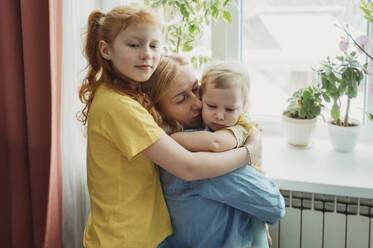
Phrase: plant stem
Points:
(178, 44)
(361, 49)
(345, 123)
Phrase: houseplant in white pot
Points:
(300, 117)
(340, 78)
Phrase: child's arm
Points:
(205, 141)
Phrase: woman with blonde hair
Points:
(214, 212)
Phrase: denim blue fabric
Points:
(217, 212)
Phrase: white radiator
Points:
(324, 221)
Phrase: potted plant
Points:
(300, 117)
(340, 78)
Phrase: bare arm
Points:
(205, 141)
(187, 165)
(254, 144)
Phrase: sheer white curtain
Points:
(75, 194)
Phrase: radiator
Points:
(326, 221)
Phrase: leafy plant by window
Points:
(186, 21)
(341, 77)
(367, 8)
(305, 103)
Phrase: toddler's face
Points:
(221, 107)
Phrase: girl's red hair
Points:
(106, 27)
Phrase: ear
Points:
(105, 50)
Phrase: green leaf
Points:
(351, 91)
(184, 11)
(192, 28)
(366, 11)
(370, 116)
(302, 113)
(306, 95)
(226, 2)
(199, 6)
(187, 48)
(227, 16)
(326, 97)
(335, 112)
(215, 11)
(342, 87)
(172, 42)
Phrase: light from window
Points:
(283, 40)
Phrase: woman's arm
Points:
(187, 165)
(205, 141)
(247, 190)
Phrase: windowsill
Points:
(319, 169)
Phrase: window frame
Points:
(225, 35)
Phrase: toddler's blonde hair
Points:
(224, 75)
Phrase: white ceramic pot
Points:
(298, 132)
(344, 139)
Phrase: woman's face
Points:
(182, 102)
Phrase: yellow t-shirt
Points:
(128, 209)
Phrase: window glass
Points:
(283, 40)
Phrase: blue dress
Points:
(218, 212)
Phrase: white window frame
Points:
(227, 45)
(369, 96)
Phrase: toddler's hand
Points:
(254, 144)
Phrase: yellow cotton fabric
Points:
(127, 204)
(242, 130)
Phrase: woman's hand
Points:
(254, 143)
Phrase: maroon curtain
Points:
(25, 124)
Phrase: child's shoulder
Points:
(108, 96)
(109, 100)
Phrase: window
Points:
(281, 41)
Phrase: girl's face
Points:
(135, 51)
(182, 102)
(221, 107)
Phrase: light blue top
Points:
(217, 212)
